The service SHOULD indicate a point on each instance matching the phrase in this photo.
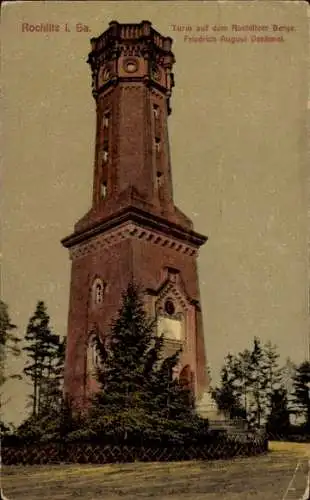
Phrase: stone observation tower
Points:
(133, 231)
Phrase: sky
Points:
(238, 140)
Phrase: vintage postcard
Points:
(155, 250)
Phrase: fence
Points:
(101, 454)
(291, 437)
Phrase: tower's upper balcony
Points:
(131, 32)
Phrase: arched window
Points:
(156, 111)
(105, 120)
(159, 179)
(157, 144)
(169, 307)
(98, 292)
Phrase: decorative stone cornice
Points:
(129, 230)
(149, 223)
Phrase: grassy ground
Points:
(265, 478)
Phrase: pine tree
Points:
(170, 403)
(227, 398)
(242, 372)
(52, 380)
(235, 384)
(287, 374)
(138, 396)
(123, 374)
(126, 362)
(278, 421)
(42, 350)
(272, 372)
(9, 346)
(164, 388)
(248, 380)
(301, 393)
(258, 378)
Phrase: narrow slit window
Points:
(159, 178)
(105, 155)
(106, 120)
(103, 190)
(156, 111)
(157, 145)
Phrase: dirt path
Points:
(260, 478)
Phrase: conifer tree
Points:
(171, 403)
(258, 382)
(271, 371)
(248, 381)
(227, 398)
(287, 374)
(301, 393)
(241, 370)
(119, 403)
(42, 350)
(52, 380)
(137, 396)
(123, 374)
(9, 345)
(278, 421)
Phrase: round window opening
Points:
(169, 307)
(131, 67)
